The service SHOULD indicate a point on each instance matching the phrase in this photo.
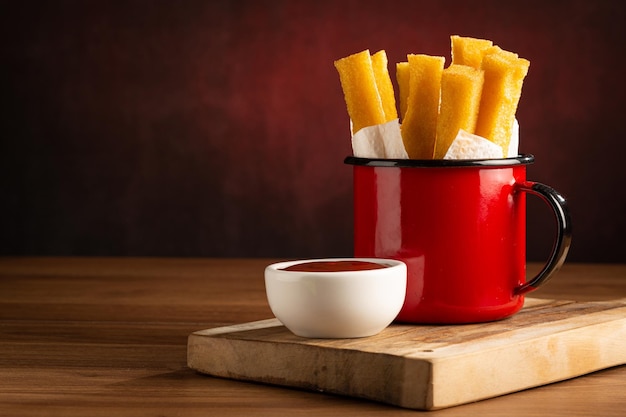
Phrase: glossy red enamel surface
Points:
(460, 230)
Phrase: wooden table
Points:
(107, 336)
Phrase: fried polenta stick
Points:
(384, 85)
(469, 51)
(420, 123)
(358, 82)
(504, 76)
(461, 88)
(402, 76)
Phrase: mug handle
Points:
(563, 239)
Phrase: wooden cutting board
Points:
(424, 367)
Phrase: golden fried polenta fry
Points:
(402, 76)
(384, 85)
(358, 82)
(420, 123)
(469, 51)
(461, 88)
(504, 76)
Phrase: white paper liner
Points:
(385, 141)
(469, 146)
(380, 141)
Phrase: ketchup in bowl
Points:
(335, 266)
(336, 297)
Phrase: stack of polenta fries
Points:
(478, 92)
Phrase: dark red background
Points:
(218, 128)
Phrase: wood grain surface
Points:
(107, 336)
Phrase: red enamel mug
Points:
(460, 226)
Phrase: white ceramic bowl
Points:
(345, 304)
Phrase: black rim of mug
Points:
(524, 159)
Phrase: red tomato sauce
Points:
(334, 266)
